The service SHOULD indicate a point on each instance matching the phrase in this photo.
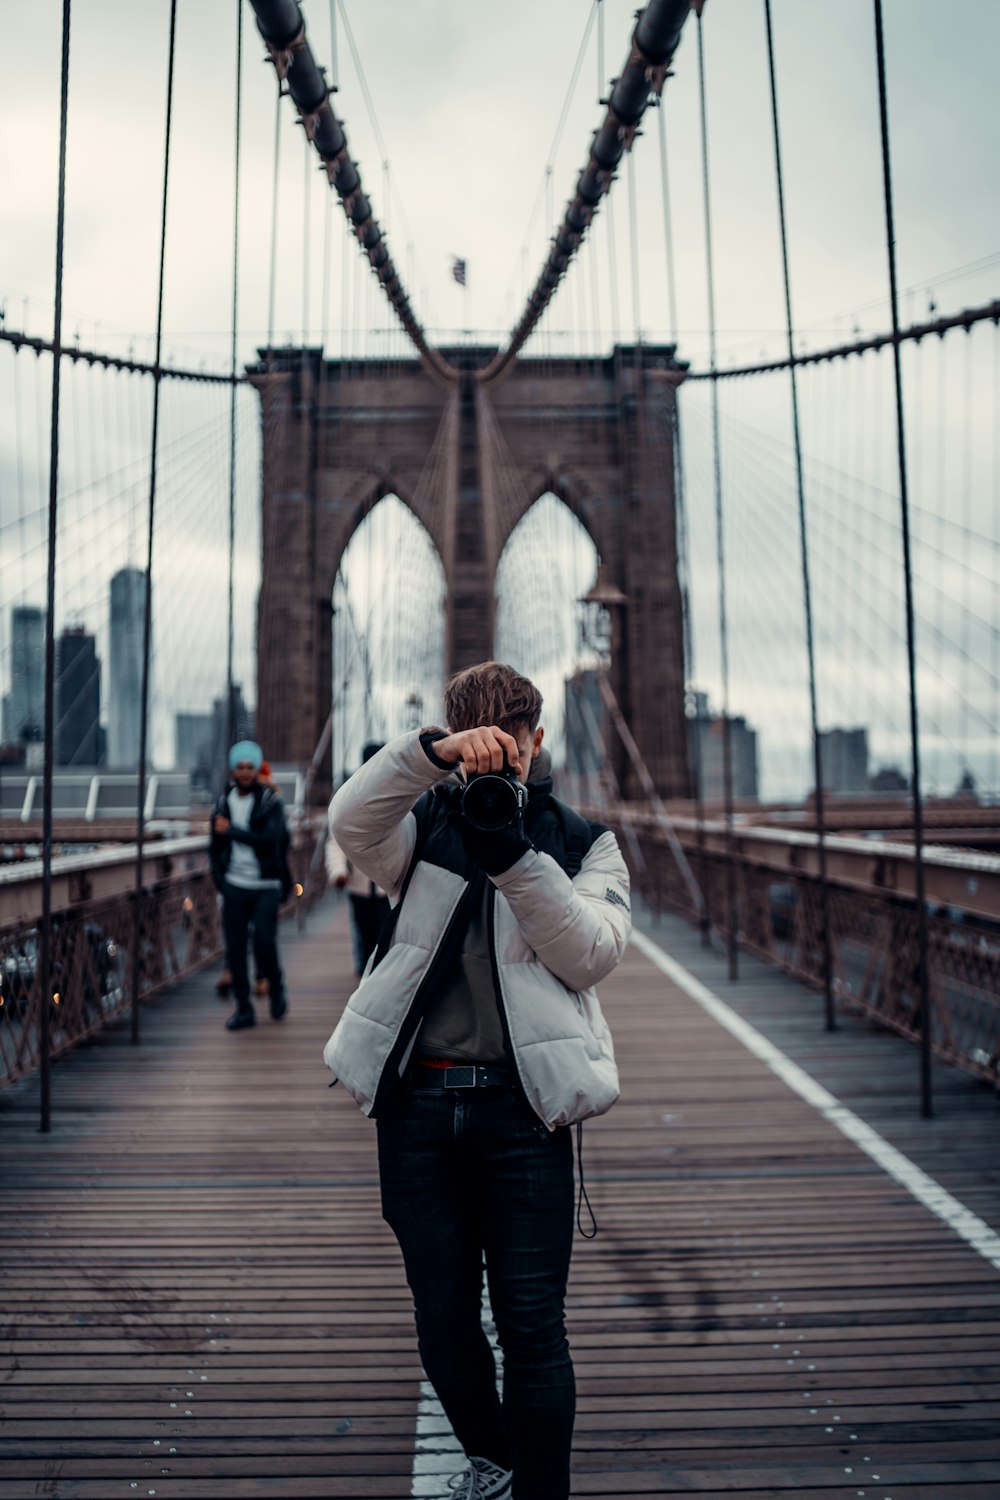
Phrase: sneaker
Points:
(482, 1481)
(240, 1019)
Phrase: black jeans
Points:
(240, 910)
(471, 1174)
(367, 913)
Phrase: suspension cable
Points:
(230, 706)
(820, 795)
(727, 757)
(274, 219)
(147, 622)
(283, 28)
(654, 41)
(989, 312)
(668, 235)
(634, 248)
(911, 655)
(75, 354)
(45, 935)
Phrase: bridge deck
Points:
(200, 1298)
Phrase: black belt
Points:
(473, 1076)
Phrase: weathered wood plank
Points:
(762, 1312)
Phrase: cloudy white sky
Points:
(468, 97)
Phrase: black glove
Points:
(494, 852)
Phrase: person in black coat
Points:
(248, 852)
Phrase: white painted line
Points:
(969, 1226)
(437, 1456)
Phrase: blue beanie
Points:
(246, 750)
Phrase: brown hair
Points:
(491, 693)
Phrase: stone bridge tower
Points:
(470, 460)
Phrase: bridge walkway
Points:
(200, 1298)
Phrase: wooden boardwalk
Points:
(199, 1298)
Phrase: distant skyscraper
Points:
(128, 607)
(193, 747)
(707, 736)
(844, 759)
(224, 734)
(78, 700)
(24, 705)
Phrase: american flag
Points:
(458, 270)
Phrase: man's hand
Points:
(220, 824)
(497, 851)
(480, 749)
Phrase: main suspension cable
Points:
(654, 41)
(281, 24)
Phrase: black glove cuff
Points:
(498, 855)
(428, 740)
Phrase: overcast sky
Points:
(468, 97)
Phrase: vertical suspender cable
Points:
(911, 654)
(230, 693)
(687, 625)
(45, 935)
(668, 234)
(727, 758)
(307, 163)
(147, 622)
(274, 220)
(826, 937)
(634, 246)
(683, 554)
(325, 306)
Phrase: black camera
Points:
(493, 800)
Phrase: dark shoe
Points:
(240, 1019)
(279, 1005)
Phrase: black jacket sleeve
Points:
(218, 844)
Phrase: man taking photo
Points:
(476, 1041)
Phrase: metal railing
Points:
(175, 925)
(873, 919)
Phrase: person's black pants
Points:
(368, 913)
(469, 1175)
(242, 910)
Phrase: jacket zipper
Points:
(491, 903)
(389, 1079)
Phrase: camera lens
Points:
(490, 802)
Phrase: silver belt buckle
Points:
(460, 1078)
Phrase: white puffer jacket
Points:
(553, 938)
